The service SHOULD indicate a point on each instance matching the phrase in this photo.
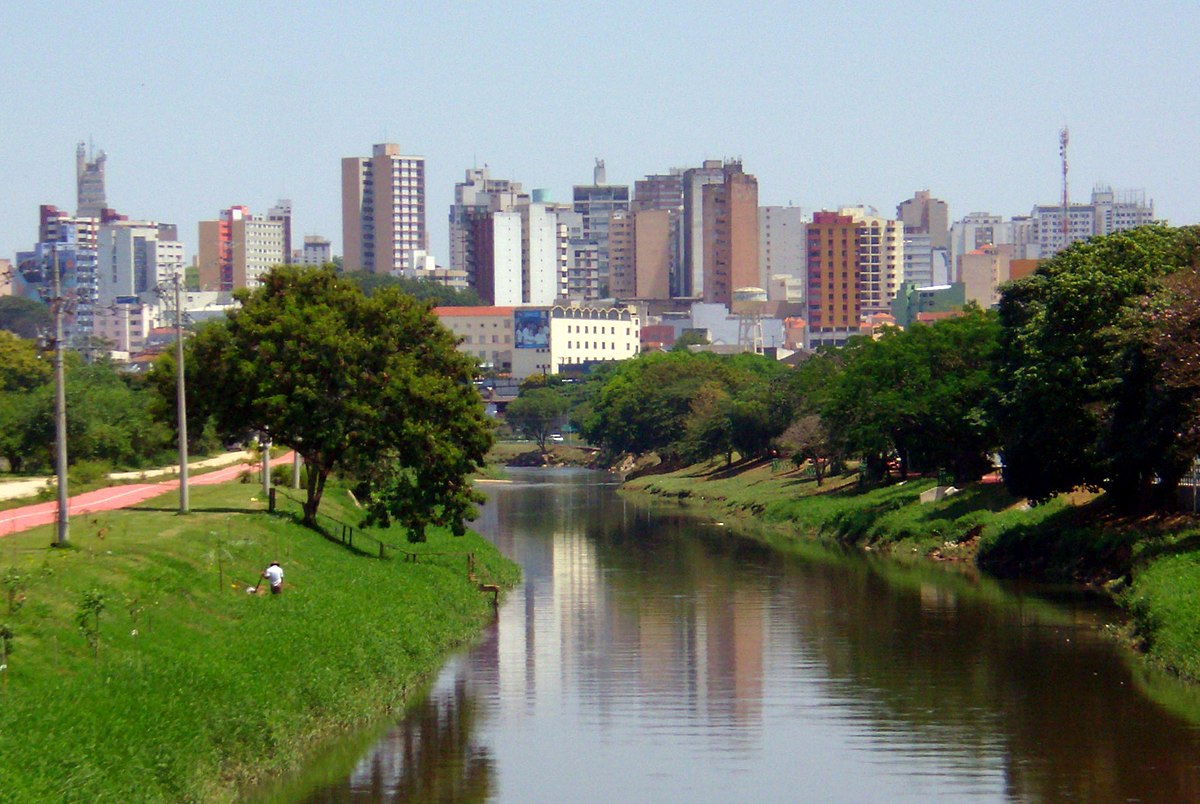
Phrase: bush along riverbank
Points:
(137, 667)
(1151, 565)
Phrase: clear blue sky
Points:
(201, 106)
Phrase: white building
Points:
(782, 251)
(545, 256)
(136, 259)
(316, 252)
(507, 259)
(1107, 212)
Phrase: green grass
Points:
(200, 689)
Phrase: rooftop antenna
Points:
(1064, 137)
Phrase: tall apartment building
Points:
(237, 248)
(655, 240)
(622, 255)
(134, 258)
(477, 195)
(89, 183)
(316, 251)
(923, 214)
(1107, 212)
(545, 254)
(926, 238)
(596, 202)
(855, 267)
(782, 252)
(730, 234)
(689, 281)
(282, 213)
(383, 209)
(982, 271)
(70, 242)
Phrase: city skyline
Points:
(974, 117)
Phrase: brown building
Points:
(730, 235)
(383, 210)
(833, 288)
(923, 214)
(653, 238)
(622, 278)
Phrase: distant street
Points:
(114, 497)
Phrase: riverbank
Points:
(188, 688)
(1151, 566)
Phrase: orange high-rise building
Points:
(730, 235)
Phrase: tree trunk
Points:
(316, 487)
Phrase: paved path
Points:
(32, 516)
(15, 489)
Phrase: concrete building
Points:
(125, 325)
(282, 213)
(689, 282)
(655, 237)
(622, 255)
(730, 234)
(1106, 213)
(317, 251)
(383, 209)
(478, 194)
(782, 252)
(89, 183)
(545, 254)
(485, 333)
(855, 267)
(136, 260)
(596, 202)
(71, 240)
(237, 248)
(913, 301)
(923, 214)
(7, 285)
(982, 271)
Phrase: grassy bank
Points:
(1152, 564)
(195, 689)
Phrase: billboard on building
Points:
(531, 329)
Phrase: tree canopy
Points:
(26, 318)
(369, 386)
(1081, 399)
(537, 413)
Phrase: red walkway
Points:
(16, 520)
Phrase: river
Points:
(653, 656)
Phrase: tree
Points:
(808, 439)
(537, 413)
(420, 289)
(373, 387)
(21, 367)
(1080, 401)
(1173, 348)
(25, 318)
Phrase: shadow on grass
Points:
(1078, 544)
(195, 509)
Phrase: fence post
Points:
(271, 501)
(381, 549)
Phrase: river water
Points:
(652, 656)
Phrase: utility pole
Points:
(60, 411)
(181, 398)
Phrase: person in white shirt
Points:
(274, 575)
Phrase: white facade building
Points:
(507, 273)
(136, 259)
(782, 250)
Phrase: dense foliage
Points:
(109, 413)
(1083, 399)
(370, 386)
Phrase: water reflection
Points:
(652, 657)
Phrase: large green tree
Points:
(1080, 400)
(24, 317)
(370, 386)
(537, 413)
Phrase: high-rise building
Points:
(477, 195)
(89, 183)
(383, 209)
(1107, 212)
(923, 214)
(282, 213)
(655, 237)
(316, 251)
(689, 282)
(545, 254)
(238, 248)
(730, 235)
(782, 252)
(982, 271)
(596, 202)
(136, 258)
(855, 267)
(70, 243)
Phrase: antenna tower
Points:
(1064, 137)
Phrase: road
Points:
(114, 497)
